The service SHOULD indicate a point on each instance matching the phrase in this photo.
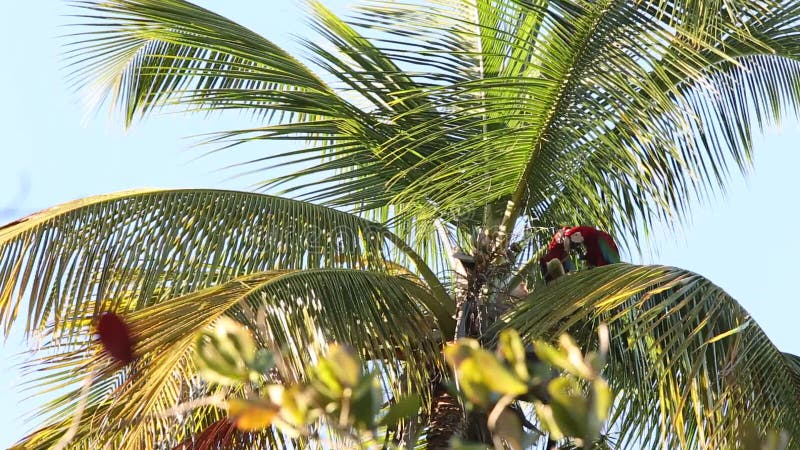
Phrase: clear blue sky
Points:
(53, 152)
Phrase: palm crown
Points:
(430, 123)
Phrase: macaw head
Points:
(576, 236)
(557, 250)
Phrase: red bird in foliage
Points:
(115, 337)
(556, 250)
(600, 247)
(219, 434)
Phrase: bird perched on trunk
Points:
(556, 250)
(600, 247)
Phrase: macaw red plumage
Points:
(600, 247)
(556, 250)
(115, 337)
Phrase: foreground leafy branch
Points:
(570, 397)
(342, 405)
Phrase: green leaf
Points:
(602, 398)
(297, 407)
(340, 369)
(303, 310)
(366, 402)
(217, 362)
(263, 360)
(481, 375)
(498, 378)
(660, 360)
(345, 365)
(473, 383)
(507, 429)
(401, 409)
(513, 351)
(545, 414)
(569, 406)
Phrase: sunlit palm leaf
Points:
(735, 82)
(352, 166)
(383, 316)
(146, 54)
(689, 362)
(575, 110)
(589, 128)
(131, 249)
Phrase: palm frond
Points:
(383, 316)
(689, 362)
(146, 54)
(616, 113)
(691, 117)
(595, 127)
(128, 250)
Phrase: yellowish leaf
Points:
(252, 415)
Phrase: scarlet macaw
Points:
(557, 249)
(115, 337)
(600, 247)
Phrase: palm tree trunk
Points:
(448, 418)
(477, 308)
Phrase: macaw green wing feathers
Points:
(608, 249)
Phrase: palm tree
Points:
(426, 128)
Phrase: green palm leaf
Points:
(588, 128)
(689, 362)
(148, 54)
(133, 249)
(303, 311)
(615, 113)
